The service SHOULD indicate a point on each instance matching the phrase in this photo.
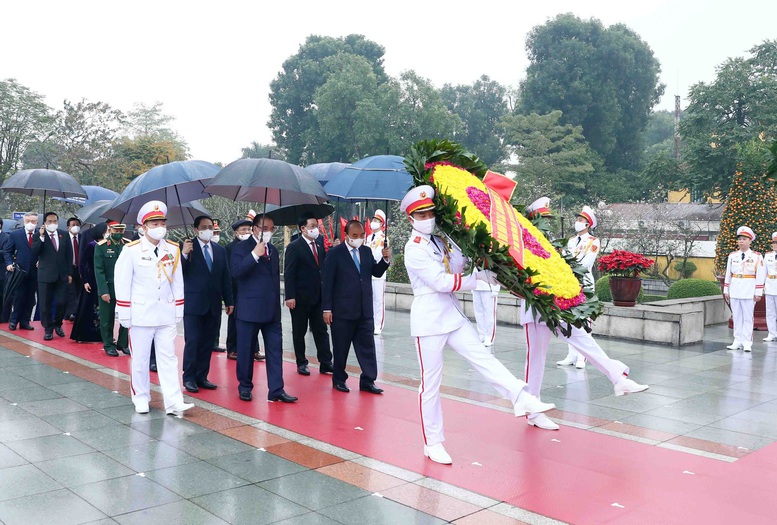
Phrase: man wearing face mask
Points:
(106, 253)
(256, 268)
(242, 229)
(150, 300)
(54, 253)
(74, 288)
(302, 266)
(347, 304)
(376, 241)
(435, 268)
(207, 284)
(585, 248)
(18, 253)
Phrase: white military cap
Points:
(747, 232)
(589, 215)
(539, 207)
(418, 199)
(379, 214)
(152, 210)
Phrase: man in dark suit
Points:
(74, 288)
(207, 284)
(55, 271)
(256, 268)
(242, 229)
(347, 303)
(4, 240)
(302, 280)
(19, 250)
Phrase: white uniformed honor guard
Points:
(484, 302)
(376, 242)
(743, 287)
(585, 248)
(435, 269)
(770, 290)
(149, 301)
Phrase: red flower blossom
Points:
(622, 263)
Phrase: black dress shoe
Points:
(371, 388)
(12, 326)
(259, 357)
(341, 387)
(48, 336)
(326, 368)
(59, 331)
(303, 370)
(245, 396)
(219, 349)
(27, 326)
(191, 386)
(125, 351)
(207, 385)
(111, 352)
(232, 355)
(152, 367)
(284, 398)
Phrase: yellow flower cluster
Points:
(554, 274)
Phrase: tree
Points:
(293, 90)
(260, 151)
(604, 79)
(24, 119)
(751, 202)
(738, 106)
(480, 107)
(133, 157)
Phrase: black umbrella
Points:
(288, 215)
(12, 280)
(48, 183)
(93, 213)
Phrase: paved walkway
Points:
(72, 450)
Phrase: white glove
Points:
(487, 276)
(126, 323)
(178, 320)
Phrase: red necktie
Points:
(315, 252)
(29, 240)
(75, 249)
(54, 242)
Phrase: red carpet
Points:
(571, 475)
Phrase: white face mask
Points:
(215, 238)
(30, 226)
(141, 232)
(75, 230)
(243, 236)
(266, 237)
(51, 228)
(205, 235)
(580, 226)
(354, 243)
(157, 233)
(425, 226)
(312, 234)
(376, 225)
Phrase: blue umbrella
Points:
(93, 194)
(376, 178)
(324, 171)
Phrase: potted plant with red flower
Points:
(624, 268)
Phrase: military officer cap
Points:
(116, 225)
(747, 232)
(539, 207)
(151, 211)
(418, 199)
(774, 237)
(588, 214)
(216, 226)
(379, 214)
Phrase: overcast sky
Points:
(211, 63)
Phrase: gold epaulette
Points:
(100, 243)
(168, 241)
(133, 243)
(126, 241)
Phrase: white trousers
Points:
(537, 339)
(140, 338)
(742, 312)
(465, 342)
(484, 304)
(378, 302)
(771, 314)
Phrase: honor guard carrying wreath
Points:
(743, 287)
(435, 268)
(149, 302)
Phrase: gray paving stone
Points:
(250, 504)
(59, 506)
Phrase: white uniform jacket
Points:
(770, 263)
(375, 243)
(745, 276)
(149, 288)
(435, 270)
(585, 251)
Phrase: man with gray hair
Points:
(19, 257)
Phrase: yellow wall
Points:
(684, 196)
(705, 267)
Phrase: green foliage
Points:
(261, 151)
(604, 79)
(602, 290)
(397, 273)
(752, 201)
(24, 119)
(685, 288)
(685, 268)
(740, 105)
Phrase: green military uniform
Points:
(106, 253)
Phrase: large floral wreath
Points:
(473, 209)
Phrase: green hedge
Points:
(685, 288)
(602, 290)
(397, 273)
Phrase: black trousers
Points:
(74, 290)
(52, 295)
(359, 332)
(232, 325)
(199, 332)
(24, 300)
(302, 316)
(248, 344)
